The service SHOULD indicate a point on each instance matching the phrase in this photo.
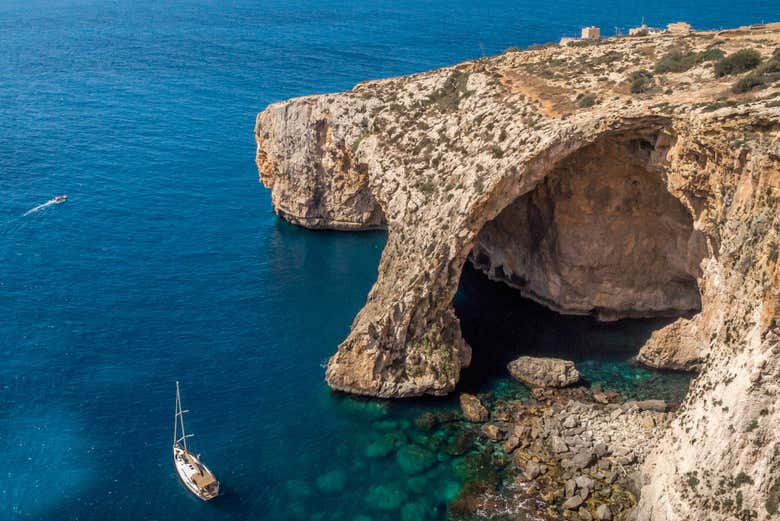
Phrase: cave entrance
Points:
(586, 265)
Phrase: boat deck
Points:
(195, 474)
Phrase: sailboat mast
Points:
(181, 417)
(176, 415)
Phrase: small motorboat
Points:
(56, 200)
(193, 473)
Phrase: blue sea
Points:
(167, 263)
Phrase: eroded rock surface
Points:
(499, 157)
(599, 235)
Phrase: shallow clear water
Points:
(500, 326)
(167, 263)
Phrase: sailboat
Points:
(192, 472)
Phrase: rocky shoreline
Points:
(574, 453)
(629, 177)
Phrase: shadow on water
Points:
(500, 326)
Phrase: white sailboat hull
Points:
(195, 475)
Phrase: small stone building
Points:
(679, 28)
(591, 33)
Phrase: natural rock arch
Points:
(416, 347)
(435, 156)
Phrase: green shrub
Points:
(711, 55)
(448, 97)
(740, 61)
(583, 43)
(675, 61)
(766, 73)
(746, 83)
(741, 479)
(773, 498)
(427, 187)
(640, 81)
(356, 143)
(537, 46)
(497, 151)
(588, 100)
(770, 67)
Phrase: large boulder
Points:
(472, 408)
(544, 372)
(676, 347)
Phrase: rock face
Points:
(600, 235)
(676, 346)
(544, 372)
(663, 202)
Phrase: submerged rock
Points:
(475, 496)
(492, 431)
(386, 497)
(460, 443)
(385, 445)
(332, 482)
(417, 511)
(426, 421)
(298, 488)
(472, 408)
(544, 372)
(414, 459)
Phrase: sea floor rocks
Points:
(572, 454)
(414, 459)
(332, 482)
(544, 372)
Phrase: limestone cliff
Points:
(591, 185)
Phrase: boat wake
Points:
(57, 200)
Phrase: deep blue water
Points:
(167, 262)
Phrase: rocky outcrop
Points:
(659, 202)
(472, 408)
(544, 372)
(676, 346)
(317, 184)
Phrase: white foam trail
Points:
(41, 206)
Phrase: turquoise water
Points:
(500, 327)
(167, 263)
